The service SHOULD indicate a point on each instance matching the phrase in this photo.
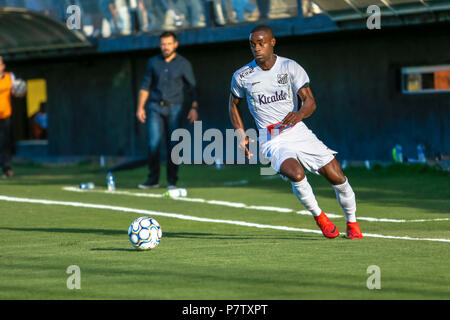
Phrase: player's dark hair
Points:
(167, 34)
(263, 27)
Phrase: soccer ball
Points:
(145, 233)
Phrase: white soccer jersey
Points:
(271, 94)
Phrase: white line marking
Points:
(235, 183)
(192, 218)
(251, 207)
(215, 202)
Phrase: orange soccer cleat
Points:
(353, 231)
(328, 228)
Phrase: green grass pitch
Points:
(205, 260)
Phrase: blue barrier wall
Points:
(355, 76)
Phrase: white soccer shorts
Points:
(299, 143)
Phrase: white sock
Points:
(346, 198)
(304, 193)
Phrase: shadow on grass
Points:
(183, 235)
(213, 236)
(104, 232)
(117, 249)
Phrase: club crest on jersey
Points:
(263, 99)
(282, 78)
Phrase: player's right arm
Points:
(144, 92)
(235, 115)
(236, 120)
(142, 99)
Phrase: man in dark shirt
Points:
(160, 103)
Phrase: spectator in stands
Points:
(117, 15)
(264, 8)
(124, 17)
(110, 16)
(175, 15)
(219, 14)
(228, 12)
(156, 12)
(143, 16)
(191, 10)
(92, 23)
(241, 7)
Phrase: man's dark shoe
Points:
(148, 185)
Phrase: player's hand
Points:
(192, 115)
(243, 147)
(141, 115)
(292, 119)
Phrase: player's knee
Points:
(292, 170)
(340, 179)
(297, 176)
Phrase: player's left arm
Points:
(189, 79)
(306, 110)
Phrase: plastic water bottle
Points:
(344, 164)
(87, 186)
(421, 154)
(397, 153)
(110, 182)
(102, 161)
(175, 193)
(218, 163)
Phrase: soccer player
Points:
(273, 86)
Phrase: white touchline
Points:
(244, 206)
(235, 183)
(192, 218)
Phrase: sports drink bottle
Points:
(87, 186)
(110, 182)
